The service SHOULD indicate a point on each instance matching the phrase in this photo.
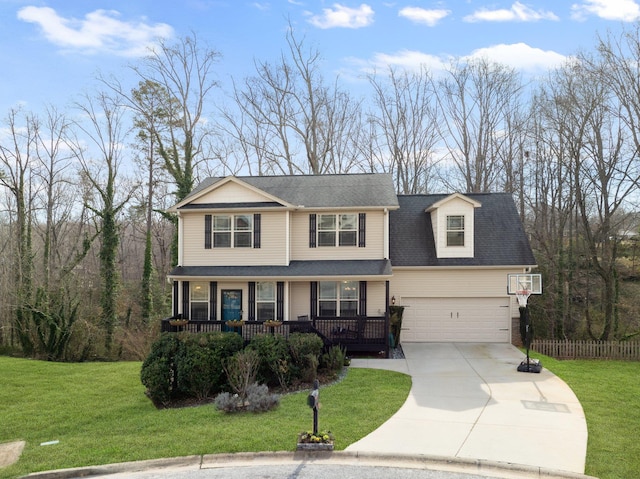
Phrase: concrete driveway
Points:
(468, 401)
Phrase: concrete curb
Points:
(400, 461)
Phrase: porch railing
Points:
(355, 334)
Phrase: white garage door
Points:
(455, 320)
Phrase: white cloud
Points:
(521, 56)
(619, 10)
(98, 31)
(262, 6)
(411, 60)
(343, 17)
(518, 12)
(421, 15)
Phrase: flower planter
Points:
(178, 322)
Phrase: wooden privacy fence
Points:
(623, 350)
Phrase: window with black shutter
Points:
(207, 231)
(362, 306)
(312, 230)
(185, 299)
(280, 301)
(313, 306)
(252, 301)
(362, 224)
(256, 230)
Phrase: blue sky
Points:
(51, 50)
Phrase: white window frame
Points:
(199, 296)
(455, 231)
(265, 295)
(337, 225)
(233, 230)
(341, 294)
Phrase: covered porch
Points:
(345, 302)
(368, 334)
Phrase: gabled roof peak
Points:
(453, 196)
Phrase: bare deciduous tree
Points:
(406, 120)
(293, 121)
(475, 99)
(105, 133)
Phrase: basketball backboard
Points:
(531, 282)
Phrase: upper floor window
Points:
(455, 230)
(337, 230)
(232, 231)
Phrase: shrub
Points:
(158, 371)
(258, 400)
(333, 360)
(305, 350)
(273, 350)
(187, 365)
(200, 360)
(242, 369)
(302, 344)
(308, 370)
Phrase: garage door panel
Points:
(456, 320)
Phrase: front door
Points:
(231, 304)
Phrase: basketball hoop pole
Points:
(526, 332)
(523, 285)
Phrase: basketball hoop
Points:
(523, 295)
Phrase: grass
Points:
(99, 414)
(609, 392)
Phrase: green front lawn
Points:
(99, 414)
(609, 392)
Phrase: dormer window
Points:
(455, 230)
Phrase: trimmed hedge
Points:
(191, 365)
(187, 366)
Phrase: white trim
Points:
(222, 182)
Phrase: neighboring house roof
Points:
(499, 238)
(369, 190)
(312, 268)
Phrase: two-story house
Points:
(291, 248)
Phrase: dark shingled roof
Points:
(315, 268)
(499, 237)
(322, 191)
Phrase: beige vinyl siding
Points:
(374, 248)
(272, 249)
(299, 299)
(442, 283)
(376, 298)
(231, 192)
